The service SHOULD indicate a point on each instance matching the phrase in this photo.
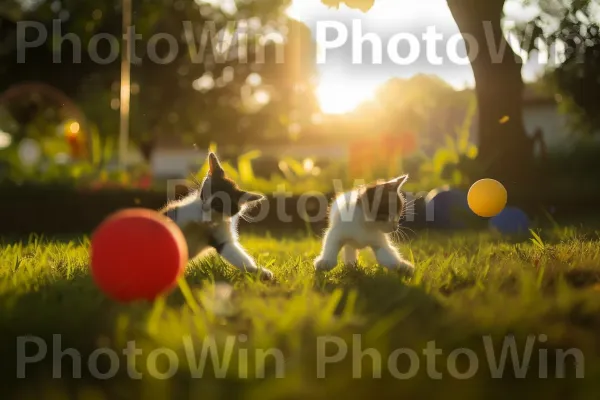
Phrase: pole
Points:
(125, 85)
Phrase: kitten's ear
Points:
(403, 179)
(250, 197)
(214, 166)
(397, 183)
(400, 181)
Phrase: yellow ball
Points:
(487, 197)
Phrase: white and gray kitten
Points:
(208, 218)
(365, 217)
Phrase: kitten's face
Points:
(222, 195)
(383, 204)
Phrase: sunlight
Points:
(337, 95)
(341, 89)
(74, 127)
(262, 97)
(5, 139)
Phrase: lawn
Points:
(430, 336)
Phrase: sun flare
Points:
(342, 87)
(338, 96)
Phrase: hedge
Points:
(63, 210)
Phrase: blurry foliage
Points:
(578, 78)
(363, 5)
(439, 116)
(427, 112)
(574, 171)
(57, 167)
(453, 163)
(296, 176)
(573, 25)
(197, 96)
(423, 104)
(580, 160)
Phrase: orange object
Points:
(369, 154)
(362, 156)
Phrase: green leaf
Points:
(472, 152)
(537, 240)
(442, 158)
(295, 166)
(362, 5)
(245, 169)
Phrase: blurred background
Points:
(85, 130)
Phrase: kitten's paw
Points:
(266, 275)
(403, 267)
(351, 264)
(263, 273)
(323, 264)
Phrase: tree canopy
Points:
(200, 72)
(577, 77)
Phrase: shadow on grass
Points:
(380, 292)
(50, 318)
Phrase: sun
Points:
(337, 96)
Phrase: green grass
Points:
(466, 287)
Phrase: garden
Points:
(499, 305)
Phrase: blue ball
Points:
(447, 208)
(510, 221)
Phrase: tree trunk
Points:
(505, 150)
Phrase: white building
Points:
(542, 112)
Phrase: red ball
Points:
(137, 254)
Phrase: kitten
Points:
(208, 218)
(365, 217)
